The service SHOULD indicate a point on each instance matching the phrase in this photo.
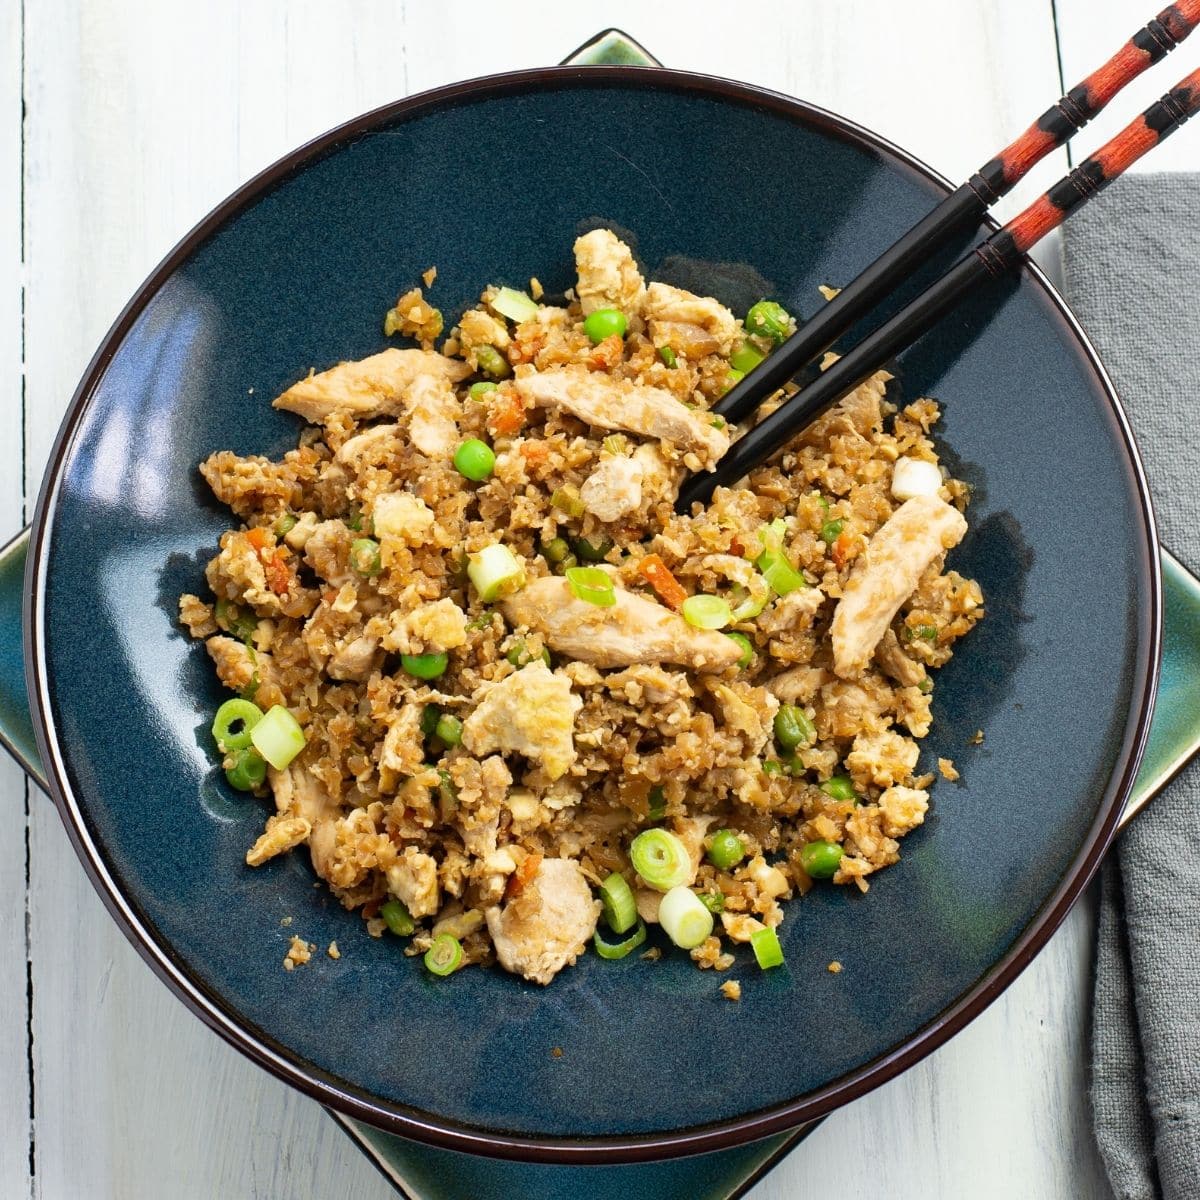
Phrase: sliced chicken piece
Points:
(608, 275)
(747, 710)
(327, 551)
(370, 387)
(633, 630)
(532, 712)
(614, 488)
(433, 413)
(403, 749)
(370, 446)
(893, 662)
(611, 403)
(671, 304)
(692, 831)
(298, 794)
(547, 925)
(887, 573)
(797, 608)
(799, 684)
(238, 668)
(355, 660)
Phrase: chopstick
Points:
(963, 208)
(991, 260)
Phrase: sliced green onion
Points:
(747, 655)
(766, 947)
(396, 918)
(492, 362)
(555, 550)
(658, 803)
(475, 460)
(247, 771)
(746, 357)
(518, 655)
(478, 391)
(566, 499)
(925, 686)
(278, 737)
(820, 859)
(706, 612)
(831, 530)
(449, 729)
(285, 525)
(794, 727)
(750, 600)
(734, 376)
(514, 305)
(592, 585)
(684, 918)
(430, 715)
(772, 766)
(604, 323)
(364, 557)
(620, 907)
(616, 443)
(780, 573)
(444, 957)
(927, 633)
(447, 796)
(717, 422)
(495, 571)
(713, 901)
(725, 850)
(769, 320)
(425, 666)
(612, 951)
(667, 355)
(233, 723)
(661, 859)
(354, 521)
(839, 787)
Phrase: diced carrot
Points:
(736, 546)
(658, 575)
(279, 578)
(535, 452)
(506, 415)
(524, 873)
(607, 353)
(257, 537)
(844, 548)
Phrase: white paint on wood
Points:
(141, 116)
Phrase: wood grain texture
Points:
(141, 114)
(1089, 32)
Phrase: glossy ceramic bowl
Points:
(614, 1061)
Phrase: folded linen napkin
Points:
(1133, 276)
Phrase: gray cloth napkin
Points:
(1133, 276)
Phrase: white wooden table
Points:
(121, 123)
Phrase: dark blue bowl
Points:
(726, 189)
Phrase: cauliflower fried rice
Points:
(495, 673)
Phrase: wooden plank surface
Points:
(141, 115)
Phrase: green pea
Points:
(831, 530)
(747, 656)
(247, 771)
(396, 918)
(725, 850)
(475, 460)
(769, 320)
(492, 362)
(820, 859)
(449, 729)
(746, 357)
(285, 525)
(603, 323)
(772, 766)
(840, 788)
(667, 355)
(425, 666)
(591, 551)
(364, 557)
(793, 727)
(556, 550)
(430, 716)
(477, 391)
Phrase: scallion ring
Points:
(661, 859)
(620, 907)
(615, 950)
(592, 585)
(767, 949)
(233, 723)
(684, 918)
(445, 956)
(706, 612)
(278, 737)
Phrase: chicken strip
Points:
(244, 670)
(633, 630)
(887, 573)
(608, 276)
(619, 404)
(674, 306)
(532, 712)
(614, 488)
(433, 414)
(370, 387)
(547, 925)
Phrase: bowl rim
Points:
(418, 1124)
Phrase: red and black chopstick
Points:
(963, 208)
(1001, 253)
